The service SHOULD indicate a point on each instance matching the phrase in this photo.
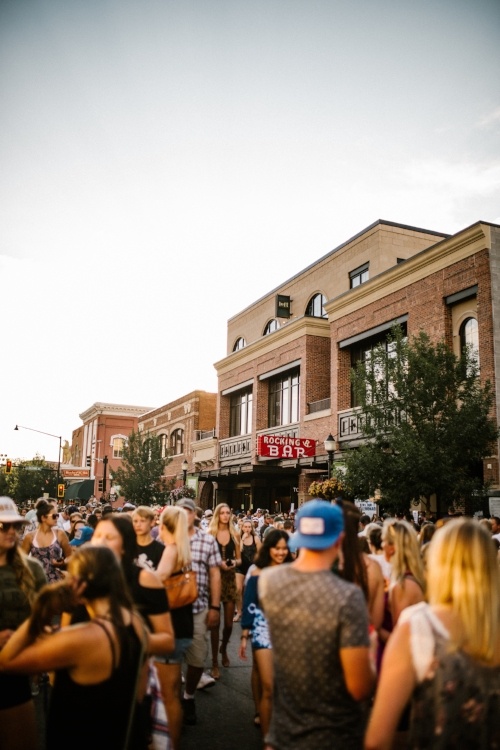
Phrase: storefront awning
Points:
(80, 490)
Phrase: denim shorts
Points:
(177, 655)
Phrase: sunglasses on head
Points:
(6, 526)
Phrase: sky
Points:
(164, 163)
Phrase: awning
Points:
(80, 490)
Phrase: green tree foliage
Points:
(426, 415)
(29, 480)
(140, 476)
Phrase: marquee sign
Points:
(281, 446)
(72, 473)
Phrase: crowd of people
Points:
(365, 632)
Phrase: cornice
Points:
(295, 329)
(113, 410)
(435, 258)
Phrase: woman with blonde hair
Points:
(173, 532)
(445, 655)
(228, 541)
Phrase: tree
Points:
(29, 480)
(426, 417)
(140, 476)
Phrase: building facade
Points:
(97, 445)
(186, 428)
(284, 385)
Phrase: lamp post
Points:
(330, 449)
(21, 427)
(184, 467)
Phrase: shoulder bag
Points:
(181, 588)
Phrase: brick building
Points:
(105, 428)
(286, 373)
(186, 427)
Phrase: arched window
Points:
(316, 306)
(240, 343)
(164, 445)
(177, 442)
(469, 338)
(273, 325)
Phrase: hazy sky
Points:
(164, 163)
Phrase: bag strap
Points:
(133, 704)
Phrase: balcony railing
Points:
(350, 425)
(322, 405)
(235, 448)
(204, 434)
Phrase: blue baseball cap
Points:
(81, 536)
(319, 524)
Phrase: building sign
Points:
(75, 473)
(282, 306)
(281, 446)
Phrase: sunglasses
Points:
(16, 525)
(53, 515)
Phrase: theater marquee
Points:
(280, 446)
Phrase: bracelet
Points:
(244, 636)
(212, 606)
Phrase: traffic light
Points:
(100, 485)
(60, 491)
(8, 466)
(88, 462)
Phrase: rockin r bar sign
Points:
(280, 446)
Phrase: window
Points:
(284, 399)
(240, 419)
(163, 445)
(177, 442)
(316, 306)
(469, 338)
(363, 353)
(118, 447)
(240, 343)
(359, 275)
(273, 325)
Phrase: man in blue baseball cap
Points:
(319, 632)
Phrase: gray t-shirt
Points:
(311, 617)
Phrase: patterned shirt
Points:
(311, 617)
(205, 555)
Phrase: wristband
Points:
(212, 606)
(244, 636)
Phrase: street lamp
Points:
(20, 427)
(184, 468)
(330, 449)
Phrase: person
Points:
(21, 577)
(407, 583)
(228, 541)
(444, 655)
(48, 543)
(357, 566)
(318, 625)
(96, 663)
(31, 523)
(176, 556)
(250, 544)
(205, 521)
(82, 533)
(206, 562)
(273, 551)
(147, 591)
(149, 551)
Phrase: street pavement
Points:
(226, 711)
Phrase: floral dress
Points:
(46, 554)
(456, 703)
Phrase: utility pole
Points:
(105, 467)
